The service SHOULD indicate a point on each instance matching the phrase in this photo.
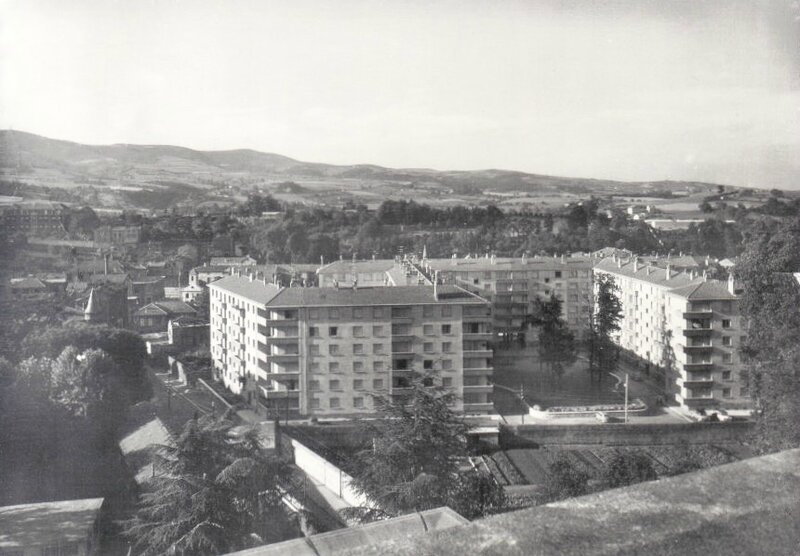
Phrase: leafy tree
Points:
(605, 322)
(413, 463)
(565, 480)
(706, 207)
(627, 468)
(556, 341)
(214, 492)
(769, 302)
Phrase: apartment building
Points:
(37, 218)
(692, 320)
(513, 284)
(325, 351)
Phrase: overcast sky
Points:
(631, 90)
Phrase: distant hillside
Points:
(39, 160)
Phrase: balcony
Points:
(286, 374)
(698, 314)
(703, 380)
(479, 371)
(484, 335)
(478, 389)
(697, 349)
(278, 357)
(280, 394)
(701, 366)
(477, 353)
(282, 340)
(483, 407)
(697, 332)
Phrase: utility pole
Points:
(626, 397)
(522, 399)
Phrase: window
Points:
(358, 384)
(335, 403)
(314, 403)
(377, 312)
(335, 385)
(314, 349)
(727, 358)
(333, 349)
(427, 364)
(447, 329)
(447, 311)
(378, 366)
(358, 366)
(313, 331)
(726, 392)
(377, 330)
(726, 341)
(358, 331)
(358, 313)
(447, 381)
(427, 311)
(427, 329)
(377, 349)
(427, 382)
(313, 385)
(558, 274)
(427, 347)
(358, 349)
(358, 403)
(333, 313)
(333, 331)
(333, 366)
(447, 364)
(726, 375)
(447, 347)
(377, 384)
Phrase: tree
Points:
(627, 468)
(214, 492)
(556, 341)
(606, 317)
(769, 303)
(413, 462)
(706, 207)
(565, 480)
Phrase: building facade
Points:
(688, 325)
(325, 351)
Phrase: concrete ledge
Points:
(745, 508)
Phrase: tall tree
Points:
(606, 317)
(556, 341)
(769, 302)
(413, 462)
(214, 492)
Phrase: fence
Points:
(327, 474)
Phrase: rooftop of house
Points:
(27, 283)
(712, 290)
(47, 523)
(137, 446)
(748, 507)
(648, 273)
(167, 307)
(342, 541)
(254, 290)
(232, 261)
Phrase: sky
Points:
(619, 89)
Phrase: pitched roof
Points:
(711, 290)
(27, 283)
(46, 523)
(136, 448)
(511, 263)
(167, 307)
(254, 290)
(653, 275)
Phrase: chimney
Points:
(105, 264)
(649, 269)
(667, 271)
(355, 285)
(336, 283)
(251, 276)
(524, 259)
(373, 256)
(453, 259)
(563, 259)
(705, 276)
(493, 259)
(436, 285)
(636, 264)
(322, 260)
(619, 263)
(731, 284)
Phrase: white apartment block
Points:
(696, 319)
(324, 351)
(511, 284)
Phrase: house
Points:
(118, 235)
(147, 289)
(190, 293)
(155, 317)
(29, 287)
(246, 260)
(49, 528)
(187, 332)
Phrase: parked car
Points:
(604, 417)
